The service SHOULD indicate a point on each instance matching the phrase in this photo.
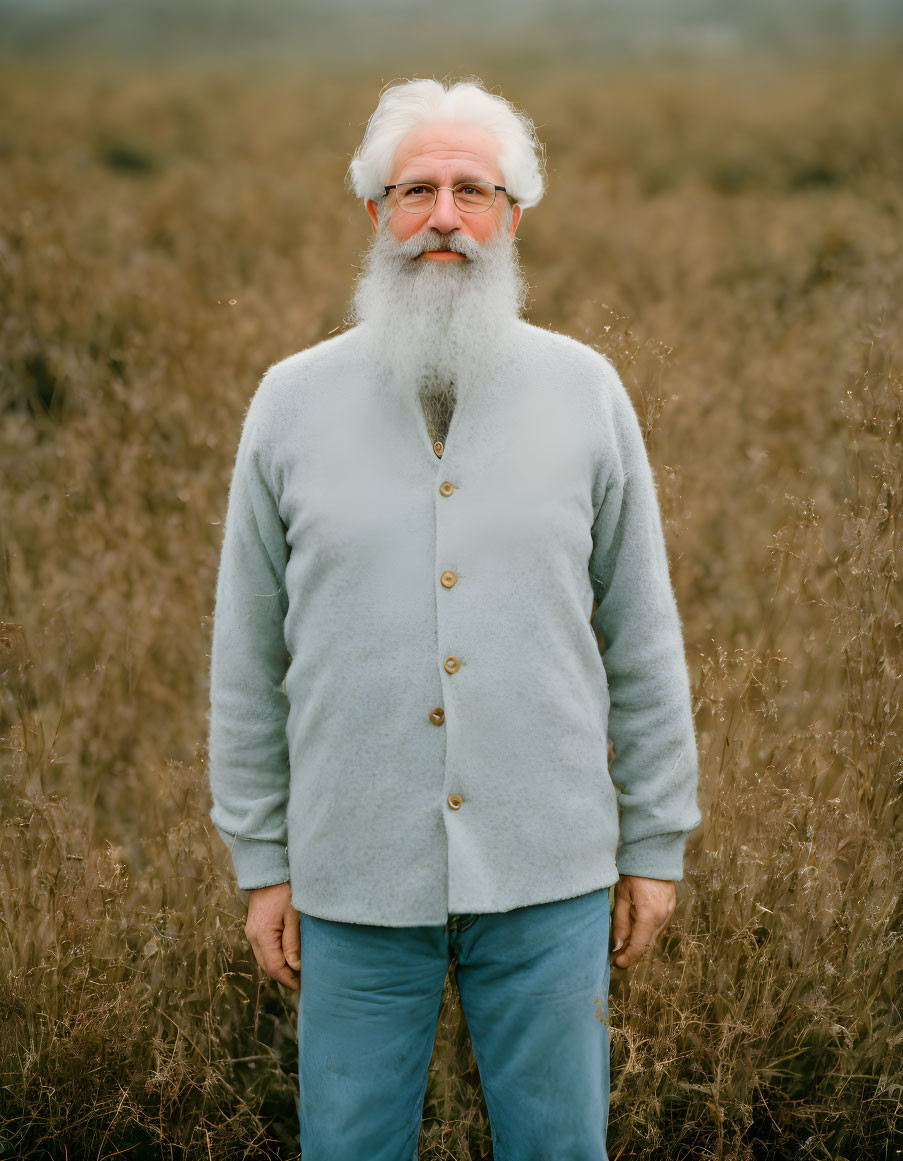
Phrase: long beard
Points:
(438, 328)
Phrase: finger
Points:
(642, 936)
(276, 967)
(272, 959)
(620, 921)
(289, 977)
(629, 954)
(291, 938)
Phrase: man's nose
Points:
(445, 215)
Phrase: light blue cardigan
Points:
(409, 710)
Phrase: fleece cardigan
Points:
(410, 705)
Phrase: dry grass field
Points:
(730, 234)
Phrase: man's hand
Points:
(274, 932)
(641, 912)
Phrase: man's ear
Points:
(515, 218)
(371, 210)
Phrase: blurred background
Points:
(723, 219)
(374, 34)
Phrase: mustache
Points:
(417, 244)
(441, 242)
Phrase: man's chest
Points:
(514, 476)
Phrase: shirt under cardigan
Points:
(409, 707)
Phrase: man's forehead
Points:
(444, 142)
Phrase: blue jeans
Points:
(534, 986)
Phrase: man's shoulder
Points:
(286, 382)
(567, 360)
(331, 355)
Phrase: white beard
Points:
(438, 327)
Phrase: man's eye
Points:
(468, 189)
(416, 190)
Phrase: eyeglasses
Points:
(471, 197)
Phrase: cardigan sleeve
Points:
(655, 764)
(248, 748)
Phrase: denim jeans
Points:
(534, 986)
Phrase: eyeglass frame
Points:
(496, 189)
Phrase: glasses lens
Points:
(415, 198)
(474, 197)
(471, 197)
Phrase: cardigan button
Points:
(452, 664)
(446, 488)
(448, 578)
(437, 715)
(438, 447)
(454, 801)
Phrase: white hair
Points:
(407, 104)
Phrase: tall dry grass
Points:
(731, 236)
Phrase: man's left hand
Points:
(641, 912)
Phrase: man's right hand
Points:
(274, 932)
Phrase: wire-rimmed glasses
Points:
(471, 197)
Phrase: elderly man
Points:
(443, 588)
